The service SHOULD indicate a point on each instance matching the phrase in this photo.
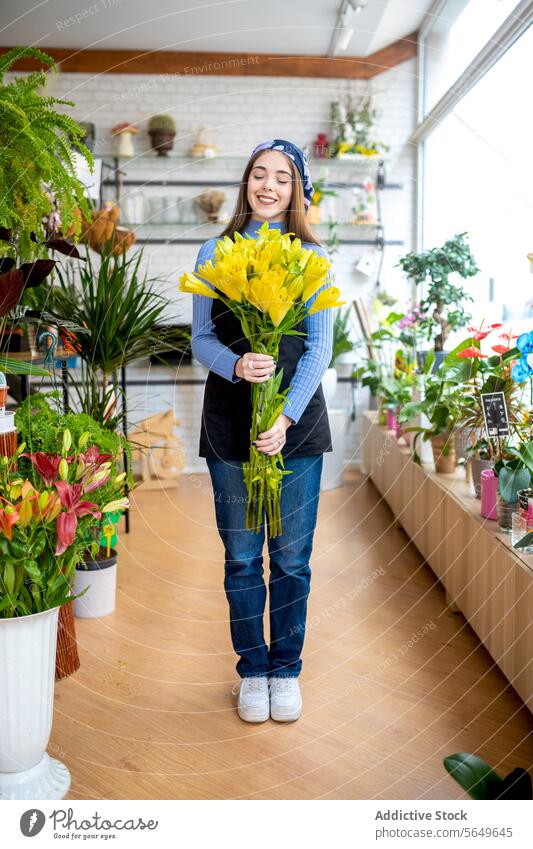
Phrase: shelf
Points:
(174, 234)
(149, 156)
(154, 166)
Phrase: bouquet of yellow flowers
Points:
(265, 281)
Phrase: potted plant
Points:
(162, 130)
(43, 522)
(39, 190)
(441, 303)
(481, 374)
(442, 405)
(320, 192)
(120, 307)
(342, 344)
(480, 781)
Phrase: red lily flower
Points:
(70, 496)
(46, 464)
(500, 349)
(479, 334)
(470, 353)
(508, 336)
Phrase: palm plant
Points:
(117, 303)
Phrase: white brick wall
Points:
(239, 112)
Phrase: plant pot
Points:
(101, 578)
(505, 514)
(90, 131)
(313, 214)
(439, 357)
(392, 420)
(329, 385)
(444, 453)
(462, 442)
(125, 144)
(476, 467)
(28, 657)
(162, 141)
(489, 492)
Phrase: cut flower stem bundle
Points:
(267, 282)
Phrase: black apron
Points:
(227, 406)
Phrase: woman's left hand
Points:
(272, 441)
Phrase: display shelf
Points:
(168, 234)
(484, 577)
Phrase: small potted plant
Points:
(124, 133)
(441, 306)
(162, 131)
(320, 192)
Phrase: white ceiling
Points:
(294, 27)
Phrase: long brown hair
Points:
(295, 217)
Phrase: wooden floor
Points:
(392, 681)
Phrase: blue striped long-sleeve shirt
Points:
(318, 345)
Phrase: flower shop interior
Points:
(127, 134)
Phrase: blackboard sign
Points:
(495, 414)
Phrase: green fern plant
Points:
(37, 155)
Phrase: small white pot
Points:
(27, 680)
(329, 385)
(100, 598)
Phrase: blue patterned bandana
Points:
(298, 157)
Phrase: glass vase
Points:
(505, 514)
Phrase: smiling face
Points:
(269, 189)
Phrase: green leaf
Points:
(9, 366)
(473, 775)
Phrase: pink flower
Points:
(70, 496)
(500, 349)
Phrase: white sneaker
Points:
(253, 704)
(285, 699)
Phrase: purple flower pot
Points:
(489, 493)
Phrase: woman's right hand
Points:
(256, 368)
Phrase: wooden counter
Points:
(489, 581)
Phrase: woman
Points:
(276, 187)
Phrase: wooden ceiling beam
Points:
(226, 64)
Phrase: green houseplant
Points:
(342, 344)
(480, 781)
(36, 154)
(441, 303)
(39, 190)
(118, 304)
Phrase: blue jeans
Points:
(290, 572)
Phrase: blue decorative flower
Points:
(521, 370)
(525, 343)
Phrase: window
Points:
(478, 178)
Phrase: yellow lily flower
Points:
(191, 284)
(279, 308)
(326, 299)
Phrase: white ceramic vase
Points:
(329, 385)
(27, 680)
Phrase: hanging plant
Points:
(37, 154)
